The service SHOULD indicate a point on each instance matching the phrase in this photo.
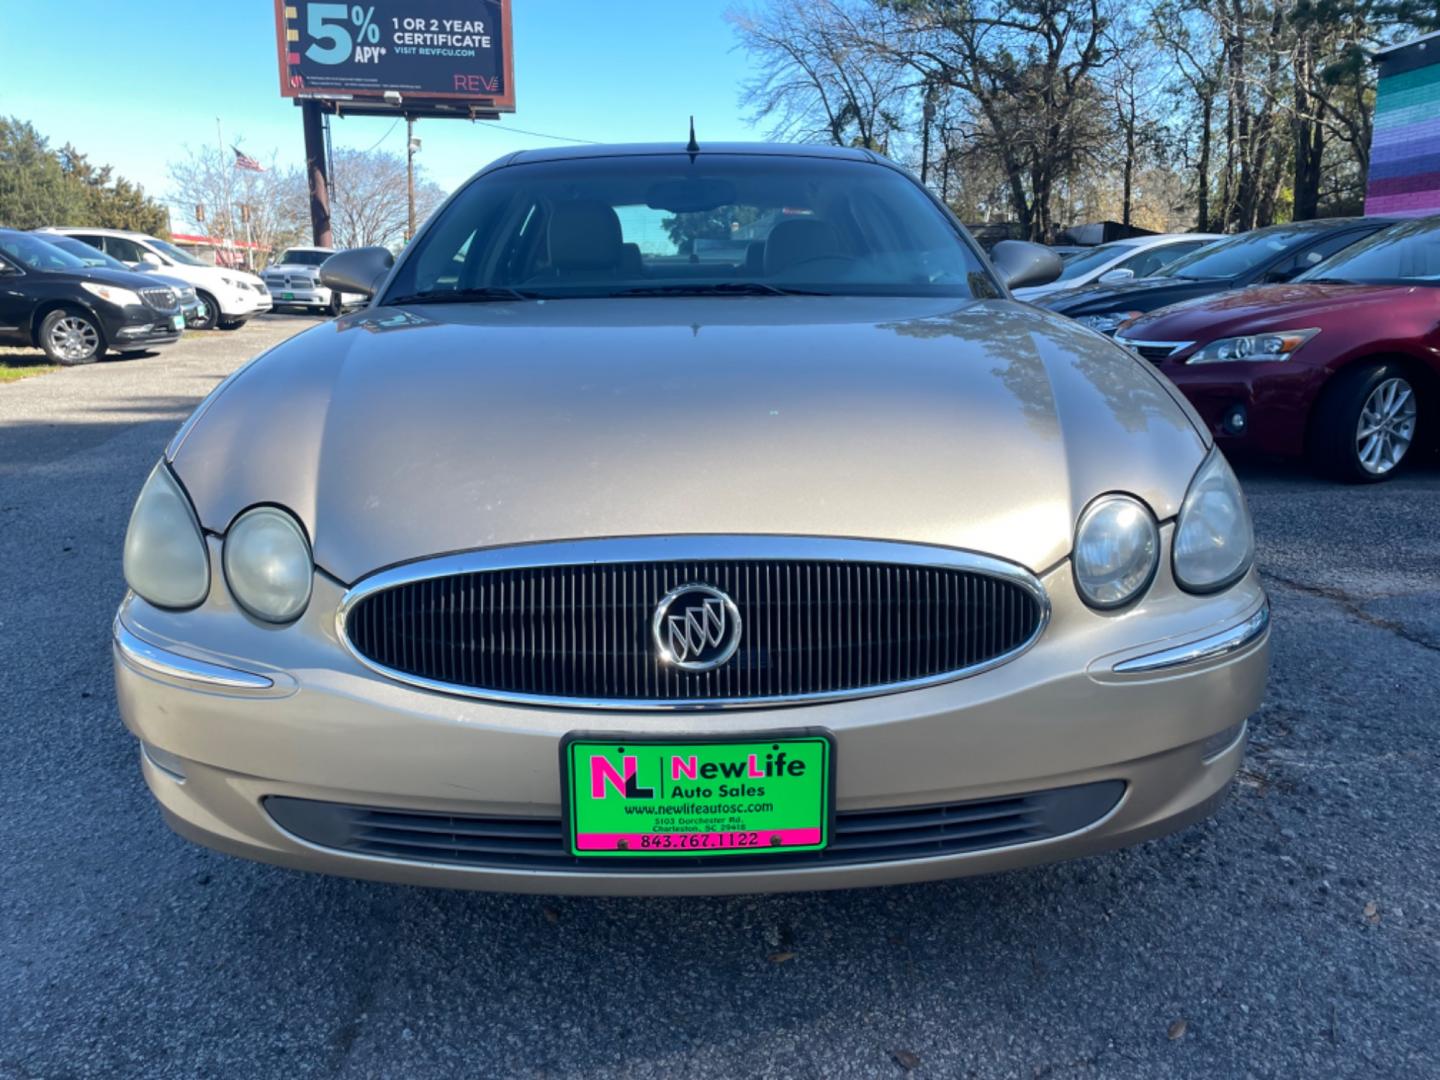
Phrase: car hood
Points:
(396, 434)
(1294, 306)
(1141, 294)
(103, 275)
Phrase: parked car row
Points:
(78, 293)
(1316, 339)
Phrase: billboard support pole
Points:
(316, 173)
(410, 175)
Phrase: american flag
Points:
(245, 161)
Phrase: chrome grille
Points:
(158, 297)
(580, 633)
(1154, 351)
(538, 843)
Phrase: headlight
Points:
(230, 281)
(1280, 345)
(165, 558)
(110, 294)
(268, 564)
(1117, 549)
(1108, 324)
(1214, 540)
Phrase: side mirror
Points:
(1112, 276)
(360, 270)
(150, 258)
(1022, 263)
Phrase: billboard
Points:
(1405, 141)
(455, 51)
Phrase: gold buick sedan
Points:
(689, 519)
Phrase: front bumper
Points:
(141, 327)
(300, 297)
(242, 303)
(263, 713)
(1263, 407)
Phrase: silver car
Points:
(689, 520)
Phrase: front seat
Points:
(793, 242)
(584, 241)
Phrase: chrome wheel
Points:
(1386, 427)
(73, 338)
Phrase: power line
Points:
(385, 136)
(544, 135)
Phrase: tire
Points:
(233, 324)
(336, 305)
(209, 316)
(1366, 425)
(71, 336)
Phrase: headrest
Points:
(794, 241)
(584, 236)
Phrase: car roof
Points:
(1160, 238)
(97, 231)
(596, 150)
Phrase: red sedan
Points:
(1341, 365)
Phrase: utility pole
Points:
(411, 145)
(316, 172)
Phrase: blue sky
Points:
(130, 83)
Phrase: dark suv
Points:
(76, 312)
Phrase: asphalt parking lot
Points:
(1297, 934)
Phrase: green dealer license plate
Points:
(627, 797)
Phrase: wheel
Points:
(209, 315)
(70, 336)
(233, 324)
(337, 304)
(1365, 424)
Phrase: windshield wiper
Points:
(480, 294)
(1327, 281)
(722, 288)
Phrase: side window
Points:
(94, 241)
(1311, 255)
(1148, 262)
(125, 250)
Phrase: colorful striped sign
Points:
(1405, 145)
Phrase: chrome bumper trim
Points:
(143, 656)
(1207, 648)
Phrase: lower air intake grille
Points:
(863, 836)
(812, 628)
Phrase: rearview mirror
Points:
(1022, 263)
(1112, 276)
(360, 270)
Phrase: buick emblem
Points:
(696, 628)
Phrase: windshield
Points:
(1236, 255)
(37, 254)
(1093, 259)
(1409, 252)
(90, 256)
(303, 257)
(172, 252)
(644, 225)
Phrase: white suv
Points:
(295, 279)
(228, 297)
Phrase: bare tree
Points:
(819, 77)
(232, 204)
(368, 204)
